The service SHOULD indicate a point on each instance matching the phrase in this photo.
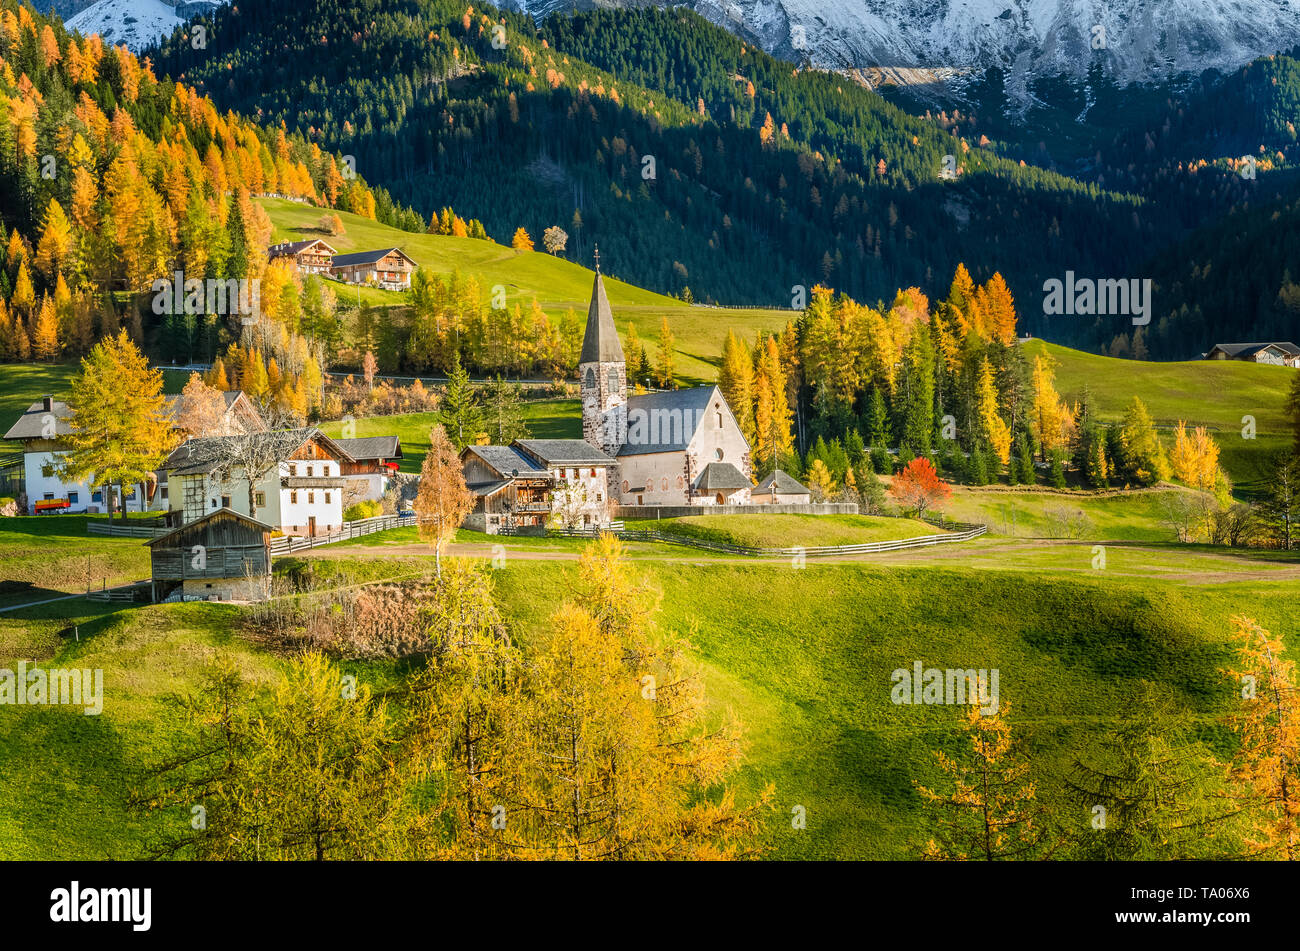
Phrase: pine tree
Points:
(461, 413)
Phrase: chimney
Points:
(47, 404)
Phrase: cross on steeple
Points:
(597, 259)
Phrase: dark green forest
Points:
(710, 170)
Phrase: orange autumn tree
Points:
(443, 501)
(919, 488)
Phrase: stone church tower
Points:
(602, 375)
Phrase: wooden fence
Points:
(286, 544)
(126, 529)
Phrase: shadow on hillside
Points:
(81, 767)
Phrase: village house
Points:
(1278, 354)
(313, 256)
(223, 556)
(510, 490)
(302, 494)
(388, 268)
(42, 429)
(373, 467)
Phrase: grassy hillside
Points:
(811, 686)
(556, 283)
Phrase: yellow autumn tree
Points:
(54, 249)
(521, 241)
(1052, 419)
(1266, 765)
(45, 331)
(986, 403)
(987, 808)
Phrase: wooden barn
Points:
(223, 556)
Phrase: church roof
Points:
(666, 421)
(780, 483)
(563, 452)
(721, 476)
(600, 341)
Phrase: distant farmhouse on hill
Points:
(388, 268)
(1279, 354)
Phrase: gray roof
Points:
(372, 447)
(224, 510)
(600, 341)
(721, 475)
(365, 257)
(293, 247)
(1249, 349)
(205, 453)
(780, 483)
(667, 421)
(507, 460)
(564, 452)
(31, 424)
(488, 488)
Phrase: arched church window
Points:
(663, 483)
(613, 380)
(717, 454)
(590, 379)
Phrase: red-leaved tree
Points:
(919, 488)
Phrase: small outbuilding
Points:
(780, 488)
(222, 556)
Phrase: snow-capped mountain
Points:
(137, 23)
(1138, 39)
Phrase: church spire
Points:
(600, 341)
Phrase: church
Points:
(674, 447)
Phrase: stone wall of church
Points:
(603, 388)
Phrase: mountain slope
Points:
(696, 162)
(136, 23)
(1028, 38)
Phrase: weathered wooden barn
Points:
(222, 556)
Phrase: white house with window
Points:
(42, 431)
(302, 494)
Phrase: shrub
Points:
(366, 509)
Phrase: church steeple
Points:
(600, 343)
(602, 374)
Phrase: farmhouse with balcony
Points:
(301, 495)
(313, 256)
(223, 556)
(41, 430)
(373, 467)
(388, 268)
(1279, 354)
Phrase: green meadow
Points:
(803, 657)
